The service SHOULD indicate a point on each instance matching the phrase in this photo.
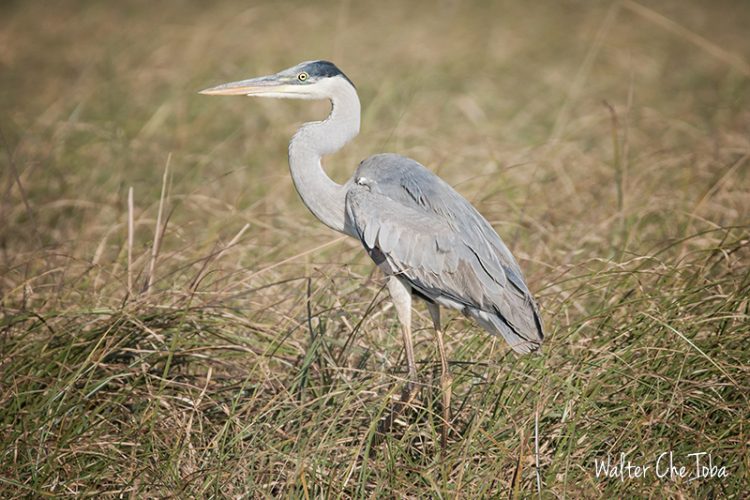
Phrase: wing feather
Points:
(434, 238)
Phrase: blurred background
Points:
(230, 344)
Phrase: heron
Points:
(428, 240)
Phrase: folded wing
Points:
(416, 226)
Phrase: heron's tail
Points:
(522, 341)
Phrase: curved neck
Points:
(324, 197)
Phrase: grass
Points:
(228, 345)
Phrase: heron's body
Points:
(418, 228)
(425, 236)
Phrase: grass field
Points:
(215, 340)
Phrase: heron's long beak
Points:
(272, 84)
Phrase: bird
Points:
(429, 241)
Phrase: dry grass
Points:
(228, 345)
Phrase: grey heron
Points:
(427, 239)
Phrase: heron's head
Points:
(307, 80)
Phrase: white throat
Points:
(324, 197)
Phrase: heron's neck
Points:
(324, 197)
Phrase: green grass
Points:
(265, 348)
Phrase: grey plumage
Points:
(416, 226)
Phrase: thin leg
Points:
(446, 379)
(401, 296)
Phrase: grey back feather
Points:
(415, 225)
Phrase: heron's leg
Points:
(446, 379)
(401, 296)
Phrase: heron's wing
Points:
(415, 225)
(410, 184)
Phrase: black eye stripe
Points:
(324, 69)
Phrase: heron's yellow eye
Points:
(303, 76)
